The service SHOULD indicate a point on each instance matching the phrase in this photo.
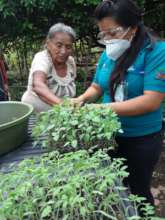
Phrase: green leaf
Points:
(74, 143)
(83, 211)
(105, 214)
(46, 212)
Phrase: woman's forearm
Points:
(41, 89)
(46, 95)
(137, 106)
(91, 94)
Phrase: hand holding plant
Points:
(77, 101)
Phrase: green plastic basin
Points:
(13, 124)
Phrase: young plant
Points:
(71, 186)
(69, 128)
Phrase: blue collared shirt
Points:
(146, 74)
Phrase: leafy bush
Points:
(18, 16)
(69, 186)
(69, 128)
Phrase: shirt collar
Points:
(149, 43)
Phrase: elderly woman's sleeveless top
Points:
(60, 86)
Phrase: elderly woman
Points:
(53, 70)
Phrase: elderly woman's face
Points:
(60, 47)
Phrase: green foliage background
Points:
(32, 18)
(25, 23)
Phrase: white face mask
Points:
(116, 47)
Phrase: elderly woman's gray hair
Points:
(60, 27)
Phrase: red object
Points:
(4, 77)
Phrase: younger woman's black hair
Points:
(127, 14)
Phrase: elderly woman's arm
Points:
(41, 89)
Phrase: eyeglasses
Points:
(103, 36)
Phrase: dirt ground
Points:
(158, 185)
